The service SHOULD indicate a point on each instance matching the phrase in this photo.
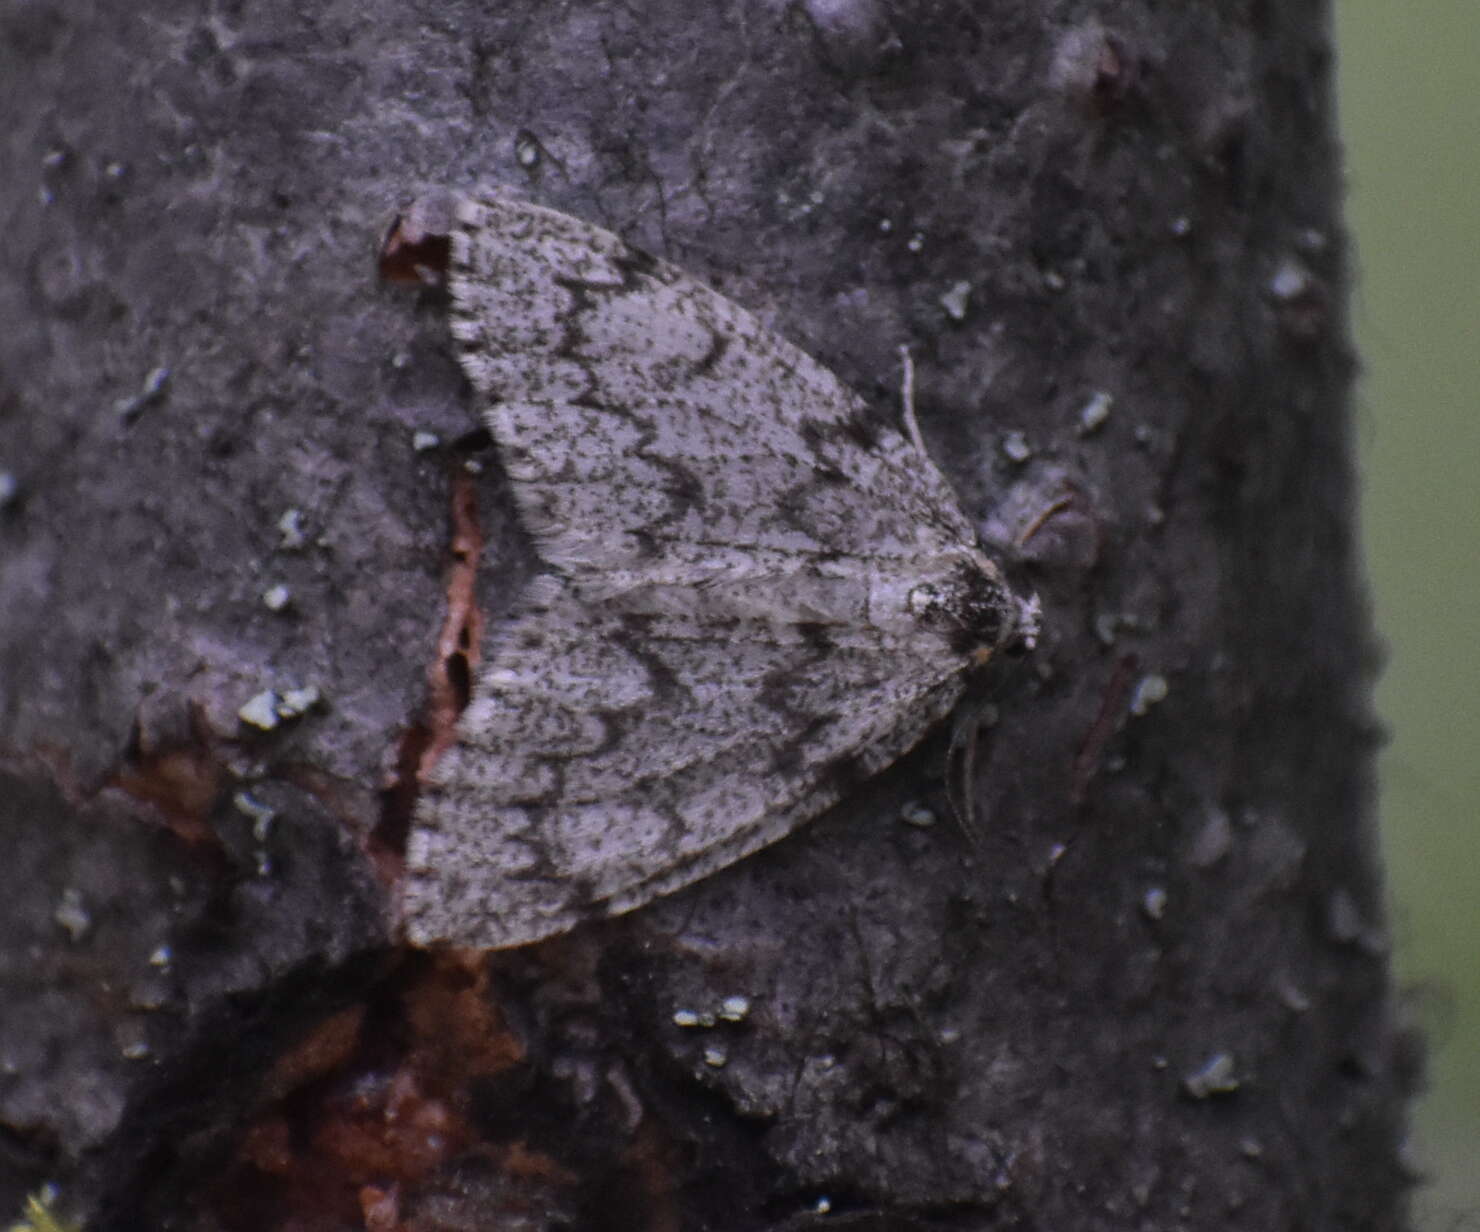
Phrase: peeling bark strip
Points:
(755, 591)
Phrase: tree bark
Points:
(1155, 995)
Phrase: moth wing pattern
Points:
(601, 763)
(654, 427)
(722, 636)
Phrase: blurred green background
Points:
(1409, 87)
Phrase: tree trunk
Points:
(1155, 994)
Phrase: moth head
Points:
(973, 606)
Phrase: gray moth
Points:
(756, 590)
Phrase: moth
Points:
(757, 590)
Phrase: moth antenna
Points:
(907, 399)
(961, 766)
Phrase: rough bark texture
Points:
(1155, 997)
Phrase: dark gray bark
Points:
(207, 1024)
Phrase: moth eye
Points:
(926, 601)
